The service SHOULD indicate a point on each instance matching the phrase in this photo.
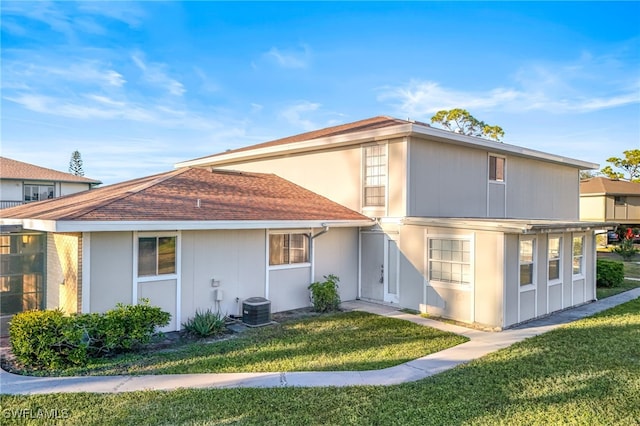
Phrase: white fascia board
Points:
(112, 226)
(390, 132)
(290, 148)
(501, 147)
(510, 226)
(32, 224)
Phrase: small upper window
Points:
(496, 168)
(156, 256)
(285, 249)
(620, 200)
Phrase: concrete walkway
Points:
(481, 343)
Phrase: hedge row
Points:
(610, 273)
(51, 339)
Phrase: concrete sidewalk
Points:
(480, 344)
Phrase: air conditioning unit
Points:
(256, 311)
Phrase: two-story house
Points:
(469, 229)
(607, 200)
(22, 183)
(455, 226)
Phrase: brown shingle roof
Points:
(14, 169)
(602, 185)
(356, 126)
(172, 196)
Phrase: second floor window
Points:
(375, 175)
(496, 168)
(38, 192)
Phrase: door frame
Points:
(387, 296)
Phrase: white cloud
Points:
(154, 74)
(289, 58)
(586, 85)
(293, 114)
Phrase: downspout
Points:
(313, 254)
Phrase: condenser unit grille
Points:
(256, 311)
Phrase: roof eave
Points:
(116, 226)
(511, 226)
(400, 130)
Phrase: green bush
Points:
(205, 324)
(324, 295)
(610, 273)
(50, 339)
(46, 339)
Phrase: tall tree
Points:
(75, 164)
(461, 121)
(630, 165)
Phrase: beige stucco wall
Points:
(64, 257)
(539, 190)
(336, 252)
(337, 174)
(234, 258)
(592, 208)
(446, 180)
(67, 188)
(111, 267)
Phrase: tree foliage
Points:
(630, 165)
(75, 164)
(461, 121)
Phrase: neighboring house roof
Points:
(17, 170)
(370, 130)
(602, 185)
(187, 198)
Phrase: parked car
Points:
(612, 237)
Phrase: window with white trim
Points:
(38, 192)
(156, 256)
(496, 168)
(527, 260)
(450, 260)
(578, 255)
(287, 249)
(554, 254)
(374, 175)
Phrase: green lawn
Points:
(631, 270)
(334, 342)
(585, 373)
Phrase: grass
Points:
(334, 342)
(631, 270)
(585, 373)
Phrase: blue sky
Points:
(139, 86)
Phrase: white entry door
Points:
(391, 270)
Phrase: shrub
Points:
(46, 339)
(324, 295)
(205, 324)
(626, 249)
(50, 339)
(610, 273)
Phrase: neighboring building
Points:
(22, 183)
(467, 228)
(190, 239)
(607, 200)
(456, 226)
